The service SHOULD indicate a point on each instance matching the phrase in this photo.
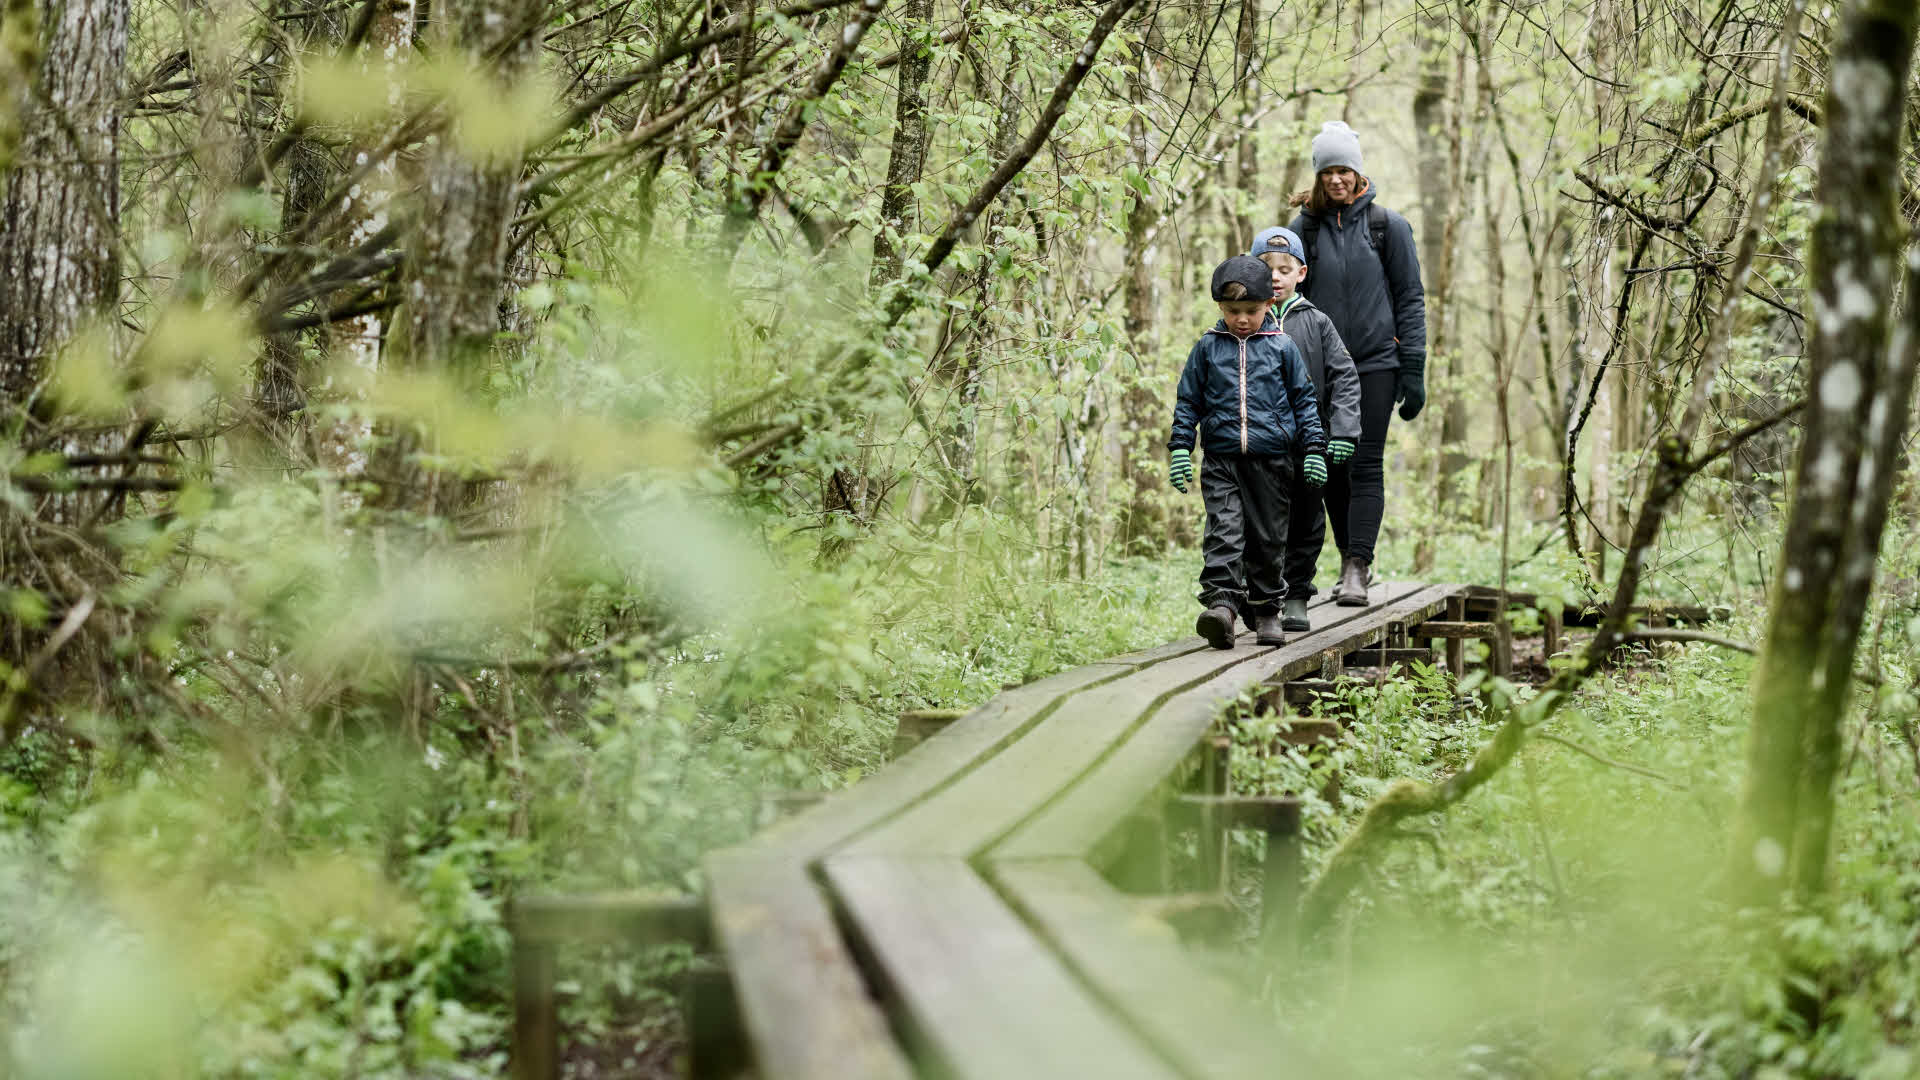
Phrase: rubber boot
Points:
(1353, 583)
(1216, 625)
(1294, 621)
(1267, 629)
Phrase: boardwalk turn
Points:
(951, 912)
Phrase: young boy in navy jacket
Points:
(1245, 397)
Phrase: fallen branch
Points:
(1662, 634)
(1628, 766)
(60, 485)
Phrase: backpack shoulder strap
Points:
(1377, 231)
(1310, 232)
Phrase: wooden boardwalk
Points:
(952, 914)
(961, 913)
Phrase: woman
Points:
(1364, 274)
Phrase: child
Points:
(1338, 385)
(1246, 395)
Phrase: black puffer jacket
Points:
(1246, 396)
(1375, 300)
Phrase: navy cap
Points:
(1247, 271)
(1279, 240)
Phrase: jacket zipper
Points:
(1243, 395)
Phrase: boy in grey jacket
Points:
(1337, 384)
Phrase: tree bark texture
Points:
(460, 250)
(457, 264)
(1859, 387)
(1142, 408)
(1246, 69)
(60, 216)
(907, 157)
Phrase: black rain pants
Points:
(1246, 499)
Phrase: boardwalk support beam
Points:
(1279, 817)
(541, 923)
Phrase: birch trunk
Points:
(1860, 383)
(59, 220)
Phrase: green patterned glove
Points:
(1316, 470)
(1340, 450)
(1180, 471)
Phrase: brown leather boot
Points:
(1354, 580)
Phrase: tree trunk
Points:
(962, 375)
(340, 445)
(907, 158)
(1859, 387)
(1144, 520)
(279, 386)
(458, 262)
(59, 223)
(1246, 69)
(1445, 176)
(60, 217)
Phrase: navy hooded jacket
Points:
(1247, 396)
(1375, 300)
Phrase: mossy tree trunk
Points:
(1859, 383)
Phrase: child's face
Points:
(1286, 277)
(1243, 317)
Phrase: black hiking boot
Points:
(1294, 621)
(1216, 625)
(1267, 629)
(1354, 580)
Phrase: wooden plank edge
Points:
(1067, 814)
(1204, 1025)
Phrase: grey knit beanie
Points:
(1337, 144)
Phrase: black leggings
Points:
(1361, 485)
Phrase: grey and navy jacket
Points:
(1246, 396)
(1374, 300)
(1329, 365)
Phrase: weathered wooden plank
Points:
(1456, 647)
(1201, 1022)
(1442, 628)
(984, 804)
(1075, 822)
(536, 1020)
(1371, 657)
(923, 770)
(716, 1048)
(1267, 813)
(638, 918)
(803, 1004)
(983, 996)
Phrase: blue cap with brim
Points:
(1278, 240)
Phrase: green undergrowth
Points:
(1564, 920)
(327, 898)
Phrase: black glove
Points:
(1412, 391)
